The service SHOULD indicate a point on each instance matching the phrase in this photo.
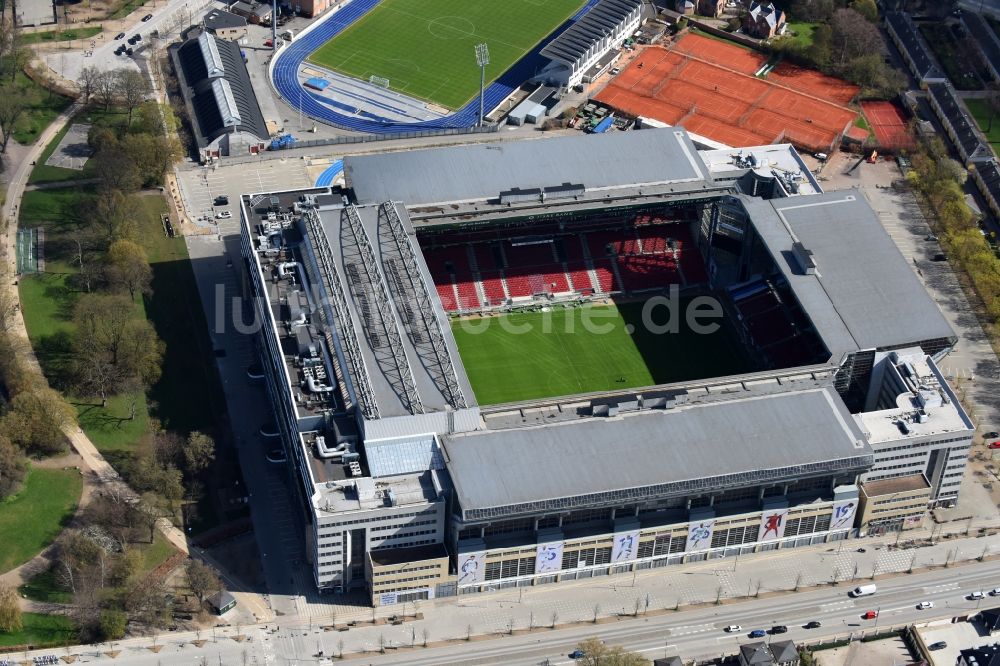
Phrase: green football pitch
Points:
(425, 48)
(522, 356)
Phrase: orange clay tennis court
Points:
(729, 105)
(889, 124)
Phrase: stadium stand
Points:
(646, 252)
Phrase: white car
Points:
(975, 595)
(995, 592)
(224, 215)
(733, 629)
(925, 604)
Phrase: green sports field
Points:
(426, 47)
(522, 356)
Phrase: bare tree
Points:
(106, 89)
(88, 82)
(133, 89)
(425, 634)
(597, 611)
(468, 632)
(553, 619)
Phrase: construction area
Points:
(731, 95)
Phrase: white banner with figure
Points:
(626, 547)
(548, 557)
(699, 535)
(772, 525)
(471, 568)
(843, 514)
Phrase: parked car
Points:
(940, 645)
(813, 624)
(991, 435)
(222, 200)
(120, 35)
(137, 37)
(146, 17)
(128, 52)
(733, 629)
(223, 215)
(924, 605)
(779, 629)
(995, 592)
(870, 615)
(993, 445)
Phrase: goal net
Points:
(379, 81)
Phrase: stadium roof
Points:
(574, 44)
(217, 85)
(482, 171)
(655, 452)
(863, 294)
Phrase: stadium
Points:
(526, 362)
(390, 66)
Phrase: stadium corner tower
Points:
(414, 489)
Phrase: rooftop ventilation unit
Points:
(804, 258)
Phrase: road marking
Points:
(942, 588)
(901, 608)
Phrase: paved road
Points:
(692, 633)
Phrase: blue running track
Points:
(325, 110)
(326, 178)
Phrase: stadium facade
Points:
(414, 490)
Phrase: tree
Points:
(202, 580)
(88, 82)
(14, 103)
(117, 172)
(596, 653)
(853, 36)
(106, 89)
(101, 322)
(13, 467)
(866, 8)
(113, 213)
(198, 453)
(132, 88)
(10, 611)
(128, 267)
(35, 420)
(113, 624)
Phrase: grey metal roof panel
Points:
(218, 20)
(480, 171)
(863, 295)
(574, 43)
(516, 466)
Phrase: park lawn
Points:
(801, 33)
(41, 631)
(980, 110)
(425, 48)
(32, 519)
(527, 355)
(60, 35)
(40, 114)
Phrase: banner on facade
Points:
(471, 568)
(626, 547)
(772, 525)
(843, 514)
(699, 535)
(548, 557)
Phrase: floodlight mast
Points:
(482, 59)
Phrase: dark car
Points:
(814, 624)
(577, 654)
(940, 645)
(120, 35)
(222, 200)
(137, 37)
(146, 17)
(991, 435)
(128, 51)
(757, 633)
(779, 629)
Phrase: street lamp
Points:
(482, 59)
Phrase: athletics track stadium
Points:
(289, 61)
